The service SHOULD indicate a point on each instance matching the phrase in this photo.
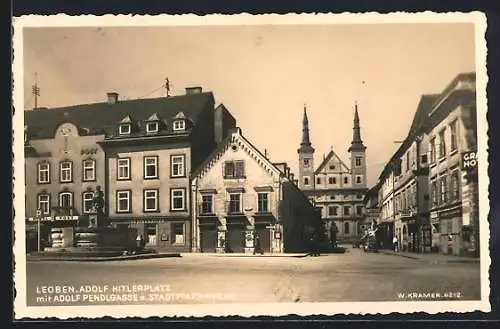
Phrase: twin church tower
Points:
(333, 186)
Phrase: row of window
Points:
(151, 199)
(66, 171)
(333, 180)
(346, 196)
(64, 201)
(438, 147)
(446, 188)
(358, 162)
(334, 210)
(123, 201)
(151, 127)
(234, 203)
(151, 165)
(406, 199)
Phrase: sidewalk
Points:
(431, 257)
(208, 254)
(72, 258)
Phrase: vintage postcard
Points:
(250, 165)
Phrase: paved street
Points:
(353, 276)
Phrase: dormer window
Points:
(179, 125)
(125, 129)
(152, 124)
(152, 127)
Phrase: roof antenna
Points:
(167, 87)
(35, 90)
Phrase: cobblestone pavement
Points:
(353, 276)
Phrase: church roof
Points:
(327, 159)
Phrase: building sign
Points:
(451, 213)
(469, 160)
(54, 218)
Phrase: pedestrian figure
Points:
(395, 243)
(314, 245)
(222, 243)
(256, 245)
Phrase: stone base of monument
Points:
(92, 242)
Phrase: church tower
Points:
(306, 157)
(357, 154)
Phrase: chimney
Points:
(112, 98)
(193, 90)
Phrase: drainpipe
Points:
(420, 232)
(194, 224)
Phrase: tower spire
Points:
(305, 144)
(357, 143)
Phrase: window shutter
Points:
(223, 169)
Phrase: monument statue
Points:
(97, 217)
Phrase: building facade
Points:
(337, 188)
(452, 178)
(429, 186)
(140, 152)
(239, 195)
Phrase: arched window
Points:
(346, 228)
(66, 200)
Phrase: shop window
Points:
(150, 230)
(177, 230)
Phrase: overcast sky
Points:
(264, 75)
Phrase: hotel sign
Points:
(469, 161)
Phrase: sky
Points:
(264, 75)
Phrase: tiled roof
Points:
(104, 117)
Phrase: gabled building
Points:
(239, 194)
(140, 152)
(337, 188)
